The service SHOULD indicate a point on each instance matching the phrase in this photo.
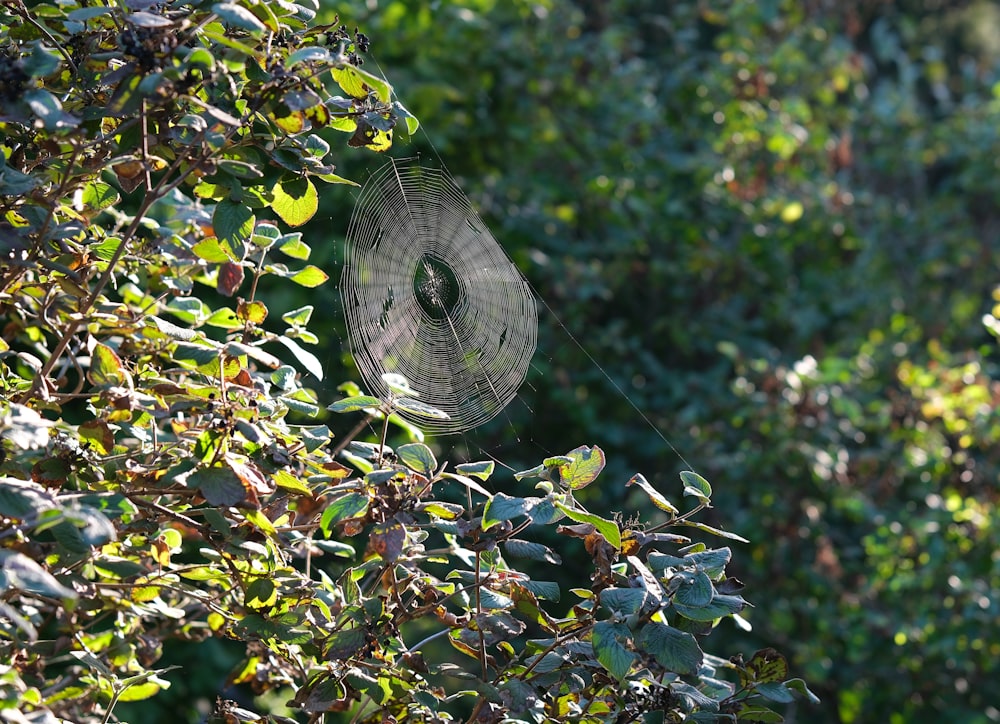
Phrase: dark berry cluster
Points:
(147, 45)
(12, 77)
(356, 42)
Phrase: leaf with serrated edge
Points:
(608, 640)
(585, 464)
(677, 650)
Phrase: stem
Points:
(385, 434)
(479, 613)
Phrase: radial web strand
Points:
(429, 294)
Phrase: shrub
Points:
(166, 476)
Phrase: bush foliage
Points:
(167, 479)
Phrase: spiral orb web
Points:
(429, 294)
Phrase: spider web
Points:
(429, 294)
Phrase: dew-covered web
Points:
(429, 294)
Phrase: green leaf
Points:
(757, 713)
(676, 650)
(585, 465)
(356, 403)
(261, 521)
(265, 234)
(298, 317)
(310, 54)
(533, 551)
(21, 572)
(306, 358)
(696, 485)
(714, 531)
(359, 83)
(536, 472)
(345, 643)
(41, 62)
(106, 248)
(439, 509)
(296, 249)
(695, 590)
(234, 225)
(624, 600)
(224, 318)
(482, 470)
(799, 686)
(311, 276)
(286, 481)
(208, 444)
(352, 505)
(106, 367)
(332, 178)
(608, 529)
(211, 250)
(719, 607)
(261, 593)
(658, 500)
(417, 457)
(468, 482)
(775, 691)
(295, 201)
(49, 110)
(545, 590)
(220, 485)
(97, 196)
(609, 641)
(238, 16)
(21, 499)
(502, 507)
(412, 124)
(767, 665)
(420, 409)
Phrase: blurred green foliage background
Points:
(774, 225)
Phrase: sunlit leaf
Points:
(351, 505)
(310, 276)
(304, 357)
(482, 470)
(355, 403)
(238, 16)
(295, 201)
(584, 465)
(417, 457)
(658, 500)
(696, 485)
(106, 367)
(606, 528)
(419, 409)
